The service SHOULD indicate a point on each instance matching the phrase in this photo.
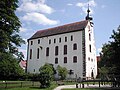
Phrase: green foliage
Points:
(9, 67)
(62, 72)
(46, 75)
(9, 26)
(110, 55)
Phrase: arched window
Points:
(74, 46)
(30, 53)
(65, 49)
(38, 53)
(90, 48)
(65, 59)
(47, 51)
(38, 41)
(89, 37)
(71, 38)
(56, 50)
(56, 60)
(65, 39)
(75, 59)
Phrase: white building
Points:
(71, 46)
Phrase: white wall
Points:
(92, 63)
(35, 63)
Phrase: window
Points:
(71, 38)
(54, 40)
(91, 60)
(50, 41)
(56, 50)
(56, 60)
(89, 37)
(33, 70)
(30, 53)
(65, 49)
(47, 51)
(38, 41)
(31, 42)
(75, 59)
(65, 59)
(88, 58)
(90, 48)
(38, 53)
(59, 40)
(65, 39)
(74, 46)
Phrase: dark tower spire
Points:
(88, 13)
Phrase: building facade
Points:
(71, 46)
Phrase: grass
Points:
(53, 85)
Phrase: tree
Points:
(46, 75)
(110, 55)
(62, 72)
(9, 67)
(9, 26)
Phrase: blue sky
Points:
(41, 14)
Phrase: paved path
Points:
(74, 86)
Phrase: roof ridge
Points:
(60, 29)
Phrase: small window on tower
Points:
(89, 37)
(90, 48)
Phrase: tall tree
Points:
(9, 26)
(110, 55)
(9, 67)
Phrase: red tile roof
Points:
(77, 26)
(23, 63)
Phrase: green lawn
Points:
(53, 85)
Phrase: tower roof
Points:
(88, 14)
(72, 27)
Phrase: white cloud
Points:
(69, 4)
(23, 29)
(84, 6)
(35, 6)
(39, 19)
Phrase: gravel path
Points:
(74, 86)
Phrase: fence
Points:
(15, 84)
